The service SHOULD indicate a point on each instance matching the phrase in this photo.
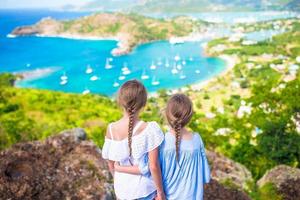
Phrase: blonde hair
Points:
(132, 96)
(179, 112)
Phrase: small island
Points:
(129, 29)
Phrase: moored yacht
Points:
(167, 64)
(89, 70)
(155, 81)
(153, 66)
(64, 77)
(94, 78)
(174, 70)
(63, 82)
(116, 84)
(86, 91)
(125, 69)
(177, 58)
(144, 75)
(122, 77)
(107, 64)
(182, 75)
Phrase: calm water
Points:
(73, 56)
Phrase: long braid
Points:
(177, 128)
(131, 113)
(179, 111)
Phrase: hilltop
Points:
(129, 29)
(163, 6)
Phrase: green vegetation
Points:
(261, 138)
(131, 29)
(267, 136)
(27, 114)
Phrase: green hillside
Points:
(193, 5)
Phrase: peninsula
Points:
(129, 29)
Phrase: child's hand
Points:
(160, 196)
(116, 166)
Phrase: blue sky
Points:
(38, 3)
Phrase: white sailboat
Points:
(63, 82)
(179, 66)
(116, 84)
(155, 81)
(197, 71)
(153, 66)
(174, 70)
(107, 64)
(122, 77)
(144, 75)
(86, 91)
(126, 72)
(89, 70)
(159, 63)
(125, 69)
(94, 78)
(167, 64)
(182, 75)
(177, 58)
(64, 77)
(28, 65)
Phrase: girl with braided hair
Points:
(184, 165)
(130, 141)
(183, 162)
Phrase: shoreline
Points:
(230, 63)
(29, 75)
(77, 37)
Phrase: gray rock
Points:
(278, 175)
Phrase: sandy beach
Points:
(35, 74)
(231, 61)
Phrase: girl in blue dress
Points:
(183, 161)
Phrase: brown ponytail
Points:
(132, 96)
(179, 112)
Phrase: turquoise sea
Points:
(176, 65)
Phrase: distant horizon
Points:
(36, 4)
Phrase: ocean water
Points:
(71, 57)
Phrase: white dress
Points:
(129, 186)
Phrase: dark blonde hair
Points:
(179, 112)
(132, 96)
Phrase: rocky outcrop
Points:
(216, 191)
(65, 166)
(286, 180)
(279, 175)
(224, 169)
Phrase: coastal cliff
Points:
(129, 29)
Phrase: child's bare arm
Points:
(134, 169)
